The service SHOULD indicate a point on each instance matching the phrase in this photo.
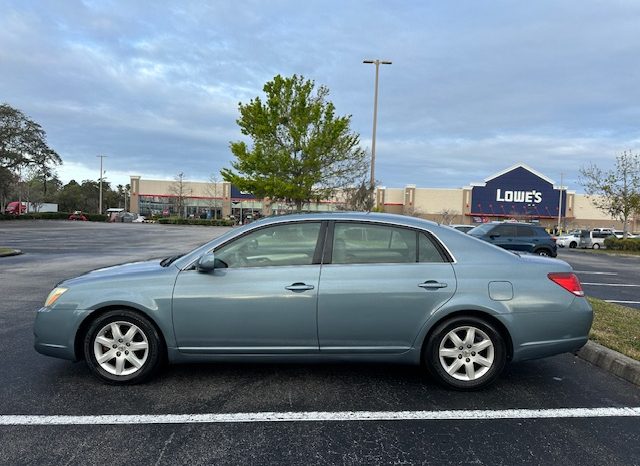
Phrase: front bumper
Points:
(55, 331)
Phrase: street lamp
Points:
(375, 117)
(100, 180)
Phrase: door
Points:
(504, 236)
(526, 238)
(379, 288)
(262, 298)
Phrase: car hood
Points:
(120, 271)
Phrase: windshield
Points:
(167, 261)
(480, 230)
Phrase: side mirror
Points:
(206, 263)
(494, 236)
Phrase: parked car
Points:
(620, 234)
(392, 289)
(522, 237)
(570, 240)
(127, 217)
(463, 228)
(78, 215)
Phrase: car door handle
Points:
(432, 285)
(299, 287)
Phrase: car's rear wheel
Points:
(573, 245)
(465, 353)
(543, 252)
(596, 246)
(122, 347)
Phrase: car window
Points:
(524, 230)
(355, 243)
(427, 251)
(504, 230)
(291, 244)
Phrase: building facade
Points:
(518, 192)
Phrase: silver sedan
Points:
(348, 286)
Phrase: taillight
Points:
(568, 281)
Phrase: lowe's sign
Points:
(516, 192)
(519, 196)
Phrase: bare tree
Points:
(413, 212)
(212, 192)
(447, 216)
(615, 191)
(359, 198)
(181, 191)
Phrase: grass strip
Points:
(616, 327)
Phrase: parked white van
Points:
(594, 239)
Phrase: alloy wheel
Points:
(121, 348)
(466, 353)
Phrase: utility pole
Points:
(375, 118)
(560, 204)
(100, 180)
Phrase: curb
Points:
(13, 252)
(611, 361)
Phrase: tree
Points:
(447, 216)
(23, 143)
(180, 190)
(70, 197)
(8, 181)
(212, 192)
(301, 151)
(360, 198)
(616, 191)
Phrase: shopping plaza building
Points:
(518, 192)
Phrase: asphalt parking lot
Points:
(559, 410)
(612, 278)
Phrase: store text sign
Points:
(530, 197)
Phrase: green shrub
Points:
(629, 244)
(53, 216)
(195, 221)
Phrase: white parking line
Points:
(621, 302)
(318, 416)
(610, 284)
(588, 272)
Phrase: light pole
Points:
(560, 204)
(375, 118)
(100, 180)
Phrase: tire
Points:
(129, 345)
(475, 369)
(543, 252)
(596, 246)
(573, 245)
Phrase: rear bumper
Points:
(554, 332)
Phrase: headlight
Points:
(53, 296)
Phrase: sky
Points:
(475, 86)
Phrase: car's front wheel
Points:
(122, 347)
(466, 353)
(596, 246)
(573, 245)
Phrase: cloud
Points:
(473, 89)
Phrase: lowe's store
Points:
(516, 193)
